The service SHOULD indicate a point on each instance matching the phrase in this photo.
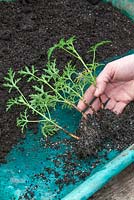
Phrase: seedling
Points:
(51, 88)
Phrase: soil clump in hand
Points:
(106, 129)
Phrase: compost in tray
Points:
(27, 31)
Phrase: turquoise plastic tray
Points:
(24, 176)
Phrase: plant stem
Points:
(61, 128)
(89, 105)
(69, 52)
(94, 56)
(101, 103)
(84, 64)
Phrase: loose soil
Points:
(106, 130)
(27, 30)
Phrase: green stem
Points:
(48, 112)
(69, 52)
(94, 51)
(35, 121)
(84, 64)
(17, 88)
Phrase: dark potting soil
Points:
(27, 30)
(106, 130)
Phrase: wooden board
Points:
(120, 187)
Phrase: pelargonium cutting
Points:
(52, 88)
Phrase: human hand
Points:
(114, 84)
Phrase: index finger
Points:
(87, 98)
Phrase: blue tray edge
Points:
(100, 178)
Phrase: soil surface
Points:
(29, 28)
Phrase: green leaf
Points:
(22, 121)
(50, 51)
(71, 40)
(39, 89)
(11, 82)
(48, 128)
(15, 101)
(29, 72)
(12, 102)
(51, 72)
(61, 43)
(94, 47)
(10, 75)
(9, 86)
(42, 102)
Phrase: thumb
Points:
(100, 88)
(102, 80)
